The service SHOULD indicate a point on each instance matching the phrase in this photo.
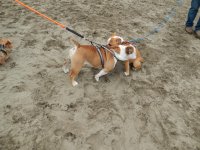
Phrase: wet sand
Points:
(157, 108)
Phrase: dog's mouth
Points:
(4, 52)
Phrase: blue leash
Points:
(160, 25)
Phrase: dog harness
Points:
(2, 49)
(100, 55)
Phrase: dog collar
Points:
(2, 49)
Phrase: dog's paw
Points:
(96, 78)
(66, 70)
(126, 74)
(74, 83)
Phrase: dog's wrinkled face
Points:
(7, 46)
(6, 43)
(114, 40)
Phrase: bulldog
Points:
(135, 61)
(115, 40)
(5, 50)
(97, 57)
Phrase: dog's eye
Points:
(118, 41)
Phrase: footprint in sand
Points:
(7, 109)
(8, 142)
(2, 77)
(66, 145)
(68, 139)
(101, 140)
(53, 43)
(58, 132)
(30, 43)
(18, 118)
(96, 140)
(13, 65)
(42, 74)
(70, 136)
(18, 88)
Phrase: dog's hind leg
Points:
(101, 73)
(64, 67)
(73, 74)
(71, 54)
(76, 66)
(137, 65)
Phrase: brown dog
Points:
(82, 54)
(5, 50)
(115, 40)
(136, 62)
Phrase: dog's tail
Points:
(74, 42)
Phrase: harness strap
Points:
(100, 55)
(109, 50)
(2, 49)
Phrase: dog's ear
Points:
(118, 41)
(8, 44)
(113, 34)
(125, 42)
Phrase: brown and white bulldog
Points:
(114, 41)
(5, 50)
(82, 54)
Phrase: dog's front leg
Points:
(101, 73)
(127, 68)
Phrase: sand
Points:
(157, 108)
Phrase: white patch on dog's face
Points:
(123, 56)
(115, 37)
